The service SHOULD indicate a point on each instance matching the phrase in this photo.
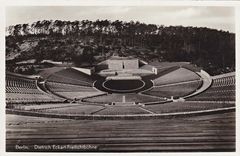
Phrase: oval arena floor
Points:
(66, 112)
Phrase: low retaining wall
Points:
(120, 117)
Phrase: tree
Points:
(25, 28)
(17, 30)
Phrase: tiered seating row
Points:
(215, 132)
(224, 81)
(61, 87)
(69, 72)
(176, 76)
(109, 98)
(78, 95)
(162, 71)
(21, 98)
(72, 91)
(175, 90)
(122, 110)
(223, 95)
(49, 71)
(19, 82)
(42, 107)
(21, 90)
(60, 108)
(76, 109)
(71, 76)
(189, 106)
(69, 80)
(222, 89)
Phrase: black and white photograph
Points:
(120, 78)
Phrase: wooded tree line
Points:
(209, 48)
(84, 27)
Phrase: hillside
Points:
(87, 41)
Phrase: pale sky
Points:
(211, 17)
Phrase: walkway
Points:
(207, 81)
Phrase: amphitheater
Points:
(129, 105)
